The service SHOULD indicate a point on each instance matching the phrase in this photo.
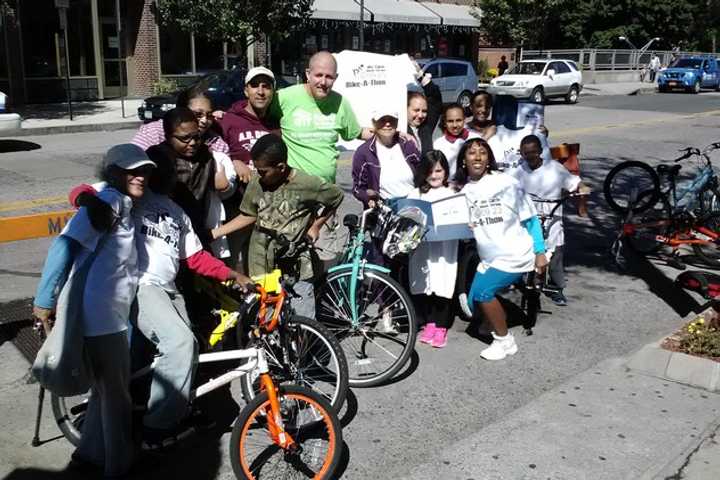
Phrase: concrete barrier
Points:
(610, 76)
(38, 225)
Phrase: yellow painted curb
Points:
(39, 225)
(37, 202)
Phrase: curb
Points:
(678, 367)
(86, 127)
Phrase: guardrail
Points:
(598, 59)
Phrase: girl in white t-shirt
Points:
(433, 264)
(452, 123)
(508, 237)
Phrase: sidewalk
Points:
(609, 422)
(52, 118)
(106, 115)
(619, 88)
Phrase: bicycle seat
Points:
(670, 170)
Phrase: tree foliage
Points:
(688, 24)
(233, 20)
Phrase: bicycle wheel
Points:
(383, 339)
(316, 360)
(467, 266)
(709, 200)
(643, 231)
(709, 252)
(69, 413)
(631, 182)
(310, 421)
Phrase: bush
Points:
(164, 86)
(702, 337)
(482, 68)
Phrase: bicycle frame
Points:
(688, 191)
(353, 259)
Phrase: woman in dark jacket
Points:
(423, 112)
(384, 166)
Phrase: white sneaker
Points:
(500, 347)
(386, 324)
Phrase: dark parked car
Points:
(224, 88)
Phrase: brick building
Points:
(106, 61)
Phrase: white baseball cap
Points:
(127, 156)
(385, 112)
(255, 71)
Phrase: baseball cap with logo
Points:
(127, 156)
(385, 112)
(256, 71)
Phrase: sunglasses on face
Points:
(187, 138)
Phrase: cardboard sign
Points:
(447, 218)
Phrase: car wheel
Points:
(573, 94)
(537, 95)
(662, 89)
(696, 88)
(717, 87)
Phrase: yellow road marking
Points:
(26, 204)
(39, 225)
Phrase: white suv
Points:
(539, 80)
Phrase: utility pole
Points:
(362, 25)
(62, 6)
(121, 67)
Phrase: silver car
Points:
(456, 79)
(539, 80)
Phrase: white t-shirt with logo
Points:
(112, 278)
(396, 176)
(451, 149)
(497, 205)
(547, 182)
(505, 145)
(164, 236)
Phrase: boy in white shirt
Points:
(547, 179)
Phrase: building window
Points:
(40, 36)
(208, 55)
(175, 52)
(80, 38)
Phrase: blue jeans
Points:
(163, 320)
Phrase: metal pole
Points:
(362, 25)
(67, 72)
(120, 56)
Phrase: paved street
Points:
(436, 418)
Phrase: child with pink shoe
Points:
(433, 265)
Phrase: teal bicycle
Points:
(369, 312)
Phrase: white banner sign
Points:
(371, 81)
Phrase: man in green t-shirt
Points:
(313, 117)
(283, 201)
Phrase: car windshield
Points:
(687, 63)
(528, 68)
(214, 80)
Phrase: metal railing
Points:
(607, 59)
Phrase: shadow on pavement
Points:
(54, 111)
(7, 146)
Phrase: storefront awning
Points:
(339, 10)
(453, 14)
(402, 11)
(389, 11)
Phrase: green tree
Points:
(234, 20)
(689, 24)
